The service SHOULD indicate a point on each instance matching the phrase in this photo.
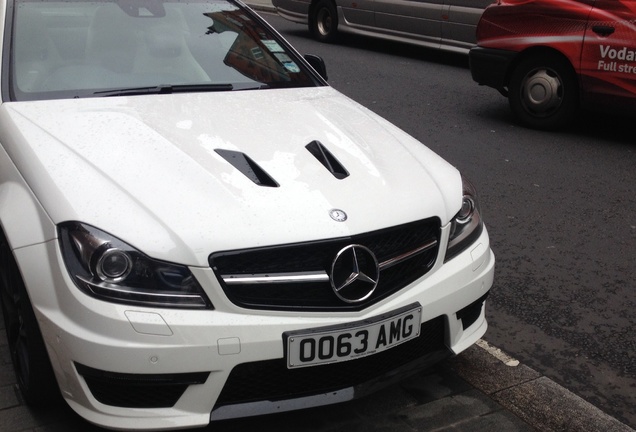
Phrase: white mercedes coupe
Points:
(195, 226)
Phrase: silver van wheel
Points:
(323, 21)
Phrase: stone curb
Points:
(539, 401)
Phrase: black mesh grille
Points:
(138, 390)
(318, 256)
(271, 380)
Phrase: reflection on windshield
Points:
(79, 48)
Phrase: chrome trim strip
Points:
(400, 258)
(249, 409)
(275, 278)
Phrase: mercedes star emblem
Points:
(338, 215)
(354, 273)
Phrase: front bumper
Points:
(490, 67)
(215, 352)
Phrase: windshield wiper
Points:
(165, 89)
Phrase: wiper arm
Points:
(188, 88)
(165, 89)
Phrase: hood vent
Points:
(325, 157)
(248, 167)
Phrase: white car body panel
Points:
(173, 139)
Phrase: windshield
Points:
(65, 49)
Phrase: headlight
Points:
(109, 269)
(466, 226)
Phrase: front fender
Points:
(22, 218)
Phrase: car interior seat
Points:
(164, 52)
(112, 39)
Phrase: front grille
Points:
(138, 390)
(317, 257)
(271, 379)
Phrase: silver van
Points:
(443, 24)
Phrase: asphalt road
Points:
(560, 208)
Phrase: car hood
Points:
(147, 168)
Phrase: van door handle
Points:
(603, 30)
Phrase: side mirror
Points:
(318, 64)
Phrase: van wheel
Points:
(28, 353)
(543, 92)
(323, 21)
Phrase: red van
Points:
(550, 57)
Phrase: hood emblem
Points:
(338, 215)
(355, 274)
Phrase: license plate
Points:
(324, 345)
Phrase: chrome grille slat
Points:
(256, 279)
(401, 258)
